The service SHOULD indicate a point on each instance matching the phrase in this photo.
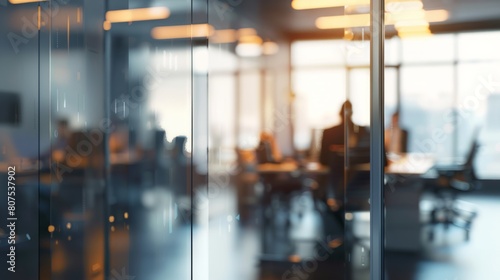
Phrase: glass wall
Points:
(233, 139)
(21, 203)
(440, 148)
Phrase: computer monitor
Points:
(10, 108)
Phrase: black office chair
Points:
(451, 182)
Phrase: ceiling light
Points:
(24, 1)
(360, 20)
(106, 25)
(224, 36)
(249, 50)
(408, 34)
(182, 31)
(411, 23)
(270, 48)
(437, 15)
(345, 21)
(246, 32)
(251, 39)
(319, 4)
(395, 7)
(141, 14)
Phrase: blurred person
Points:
(268, 151)
(119, 139)
(333, 155)
(333, 138)
(56, 152)
(395, 137)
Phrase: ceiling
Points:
(275, 19)
(278, 14)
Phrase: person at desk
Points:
(395, 137)
(56, 152)
(333, 155)
(268, 151)
(334, 137)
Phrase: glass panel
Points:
(359, 86)
(442, 146)
(425, 103)
(19, 146)
(316, 92)
(391, 94)
(157, 107)
(326, 52)
(434, 48)
(392, 51)
(249, 125)
(280, 202)
(487, 42)
(222, 118)
(76, 129)
(478, 93)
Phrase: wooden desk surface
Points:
(406, 164)
(289, 167)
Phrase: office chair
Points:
(451, 182)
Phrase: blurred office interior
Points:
(232, 139)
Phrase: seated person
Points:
(333, 155)
(334, 137)
(56, 152)
(396, 138)
(268, 151)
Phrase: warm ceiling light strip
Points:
(403, 6)
(346, 21)
(182, 31)
(25, 1)
(224, 36)
(414, 33)
(141, 14)
(419, 23)
(319, 4)
(405, 15)
(437, 15)
(360, 20)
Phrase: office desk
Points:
(404, 176)
(283, 182)
(402, 200)
(291, 167)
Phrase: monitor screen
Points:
(10, 108)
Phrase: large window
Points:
(441, 84)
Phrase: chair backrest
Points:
(469, 162)
(466, 179)
(472, 154)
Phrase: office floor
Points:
(448, 257)
(229, 249)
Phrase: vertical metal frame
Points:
(377, 238)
